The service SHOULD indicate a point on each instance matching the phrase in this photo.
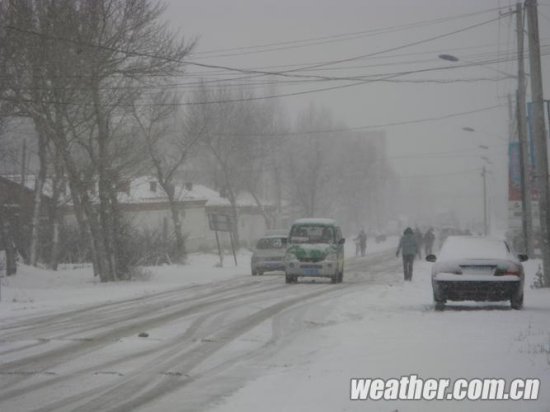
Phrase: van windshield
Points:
(271, 243)
(312, 234)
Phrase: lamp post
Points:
(484, 176)
(485, 212)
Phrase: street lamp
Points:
(448, 57)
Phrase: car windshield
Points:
(271, 243)
(312, 234)
(456, 248)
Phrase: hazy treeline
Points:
(99, 83)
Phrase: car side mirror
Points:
(431, 258)
(523, 258)
(342, 241)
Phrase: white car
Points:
(479, 269)
(269, 255)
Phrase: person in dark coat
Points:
(419, 241)
(363, 242)
(429, 239)
(408, 248)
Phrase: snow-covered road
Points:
(245, 344)
(93, 359)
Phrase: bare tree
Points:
(168, 150)
(310, 161)
(76, 68)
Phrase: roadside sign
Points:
(220, 223)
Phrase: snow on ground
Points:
(385, 329)
(391, 330)
(33, 289)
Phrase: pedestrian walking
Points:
(363, 242)
(429, 239)
(409, 249)
(419, 241)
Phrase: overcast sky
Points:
(385, 37)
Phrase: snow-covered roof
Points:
(146, 189)
(30, 182)
(315, 221)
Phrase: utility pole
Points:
(539, 134)
(525, 174)
(484, 174)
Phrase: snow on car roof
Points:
(471, 247)
(273, 236)
(314, 221)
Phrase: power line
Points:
(406, 45)
(242, 70)
(462, 172)
(430, 53)
(374, 126)
(269, 47)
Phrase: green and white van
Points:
(315, 249)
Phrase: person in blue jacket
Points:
(408, 247)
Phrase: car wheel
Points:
(260, 273)
(439, 301)
(254, 272)
(341, 276)
(289, 278)
(516, 302)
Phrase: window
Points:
(312, 233)
(271, 243)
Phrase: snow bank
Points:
(34, 289)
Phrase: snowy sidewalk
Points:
(391, 331)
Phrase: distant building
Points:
(144, 204)
(16, 211)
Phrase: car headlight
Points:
(331, 256)
(290, 257)
(508, 269)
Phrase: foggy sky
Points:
(437, 158)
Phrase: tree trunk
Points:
(105, 185)
(268, 220)
(180, 254)
(122, 267)
(235, 216)
(57, 189)
(37, 206)
(86, 218)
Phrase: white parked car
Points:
(479, 269)
(269, 255)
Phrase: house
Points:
(144, 204)
(16, 212)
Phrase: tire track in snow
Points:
(137, 388)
